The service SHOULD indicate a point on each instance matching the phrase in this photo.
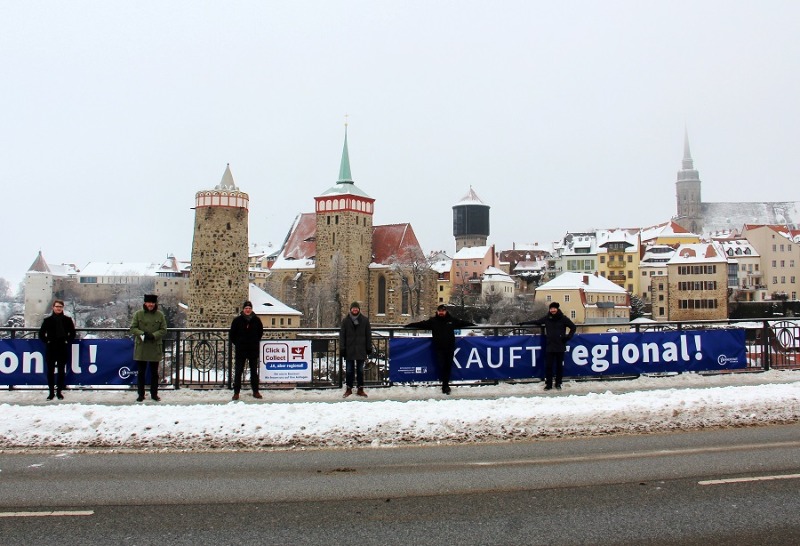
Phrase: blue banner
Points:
(92, 362)
(522, 357)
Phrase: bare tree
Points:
(415, 272)
(5, 288)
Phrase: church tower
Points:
(218, 281)
(344, 238)
(687, 192)
(470, 221)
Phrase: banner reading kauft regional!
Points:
(92, 362)
(520, 357)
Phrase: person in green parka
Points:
(148, 328)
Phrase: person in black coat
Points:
(355, 345)
(58, 333)
(442, 326)
(558, 330)
(245, 335)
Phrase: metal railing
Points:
(203, 358)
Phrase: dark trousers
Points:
(444, 364)
(354, 368)
(142, 368)
(239, 370)
(553, 365)
(56, 358)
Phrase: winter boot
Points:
(347, 392)
(360, 392)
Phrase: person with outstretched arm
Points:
(443, 328)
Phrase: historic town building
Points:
(335, 256)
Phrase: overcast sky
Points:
(561, 115)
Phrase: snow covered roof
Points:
(472, 252)
(471, 198)
(591, 283)
(121, 269)
(739, 248)
(667, 229)
(698, 253)
(494, 274)
(265, 304)
(727, 216)
(630, 238)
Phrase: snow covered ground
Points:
(396, 416)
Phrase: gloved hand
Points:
(149, 337)
(369, 351)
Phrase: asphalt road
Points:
(651, 489)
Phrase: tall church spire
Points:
(688, 163)
(344, 169)
(688, 192)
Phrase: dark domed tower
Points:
(687, 192)
(470, 221)
(218, 281)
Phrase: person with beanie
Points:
(442, 326)
(558, 330)
(245, 336)
(355, 345)
(149, 326)
(58, 333)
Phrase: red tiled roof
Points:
(395, 241)
(302, 243)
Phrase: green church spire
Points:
(344, 170)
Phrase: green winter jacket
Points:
(148, 322)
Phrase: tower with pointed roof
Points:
(687, 192)
(218, 281)
(344, 237)
(470, 221)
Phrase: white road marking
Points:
(751, 479)
(46, 514)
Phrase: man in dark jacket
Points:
(245, 335)
(58, 333)
(555, 325)
(442, 326)
(355, 345)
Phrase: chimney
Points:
(586, 279)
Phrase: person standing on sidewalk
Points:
(245, 335)
(355, 345)
(558, 330)
(443, 328)
(149, 326)
(58, 333)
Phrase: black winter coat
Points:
(443, 329)
(555, 330)
(355, 341)
(246, 334)
(57, 329)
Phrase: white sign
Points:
(286, 361)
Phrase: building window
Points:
(566, 298)
(381, 295)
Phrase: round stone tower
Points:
(218, 281)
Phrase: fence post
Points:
(177, 360)
(765, 347)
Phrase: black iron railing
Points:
(203, 358)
